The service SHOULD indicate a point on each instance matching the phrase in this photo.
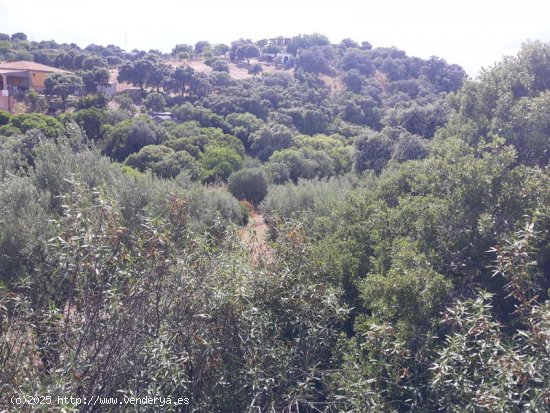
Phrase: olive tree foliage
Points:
(480, 366)
(125, 302)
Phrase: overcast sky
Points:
(472, 33)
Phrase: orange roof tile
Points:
(24, 65)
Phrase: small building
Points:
(282, 42)
(281, 58)
(161, 116)
(111, 90)
(22, 76)
(25, 75)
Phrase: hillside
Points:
(280, 225)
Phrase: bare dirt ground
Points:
(254, 235)
(334, 83)
(236, 70)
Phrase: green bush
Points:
(220, 162)
(99, 101)
(164, 161)
(249, 184)
(48, 125)
(4, 117)
(130, 136)
(155, 102)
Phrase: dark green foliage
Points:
(201, 46)
(508, 100)
(409, 146)
(95, 79)
(220, 49)
(243, 125)
(269, 139)
(37, 102)
(220, 65)
(48, 125)
(371, 152)
(91, 121)
(360, 60)
(219, 163)
(398, 263)
(92, 101)
(313, 60)
(164, 162)
(182, 48)
(244, 50)
(95, 63)
(277, 172)
(4, 117)
(155, 102)
(410, 293)
(353, 80)
(249, 184)
(255, 69)
(137, 72)
(302, 163)
(19, 36)
(130, 136)
(62, 85)
(419, 120)
(306, 41)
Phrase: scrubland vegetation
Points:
(408, 266)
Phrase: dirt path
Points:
(253, 235)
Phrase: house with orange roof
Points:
(25, 75)
(22, 76)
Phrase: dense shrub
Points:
(155, 102)
(130, 136)
(219, 162)
(249, 184)
(164, 162)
